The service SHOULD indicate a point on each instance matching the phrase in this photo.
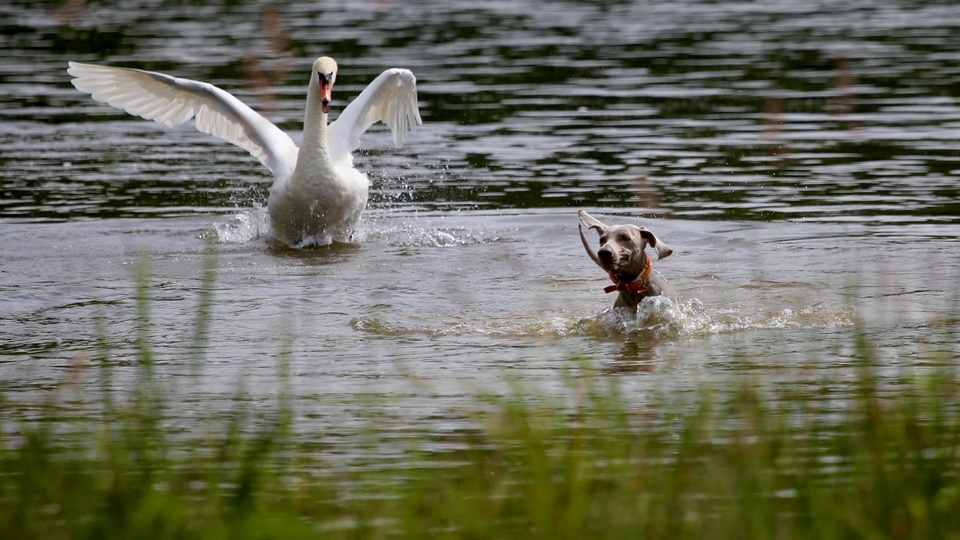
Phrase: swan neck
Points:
(314, 129)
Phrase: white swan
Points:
(317, 195)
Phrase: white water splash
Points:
(414, 234)
(668, 316)
(254, 223)
(243, 227)
(663, 317)
(674, 316)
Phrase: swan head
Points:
(324, 74)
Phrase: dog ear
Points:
(583, 237)
(663, 250)
(591, 222)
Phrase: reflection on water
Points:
(709, 110)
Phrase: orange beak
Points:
(326, 93)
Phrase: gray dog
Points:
(622, 255)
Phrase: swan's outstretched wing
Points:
(391, 98)
(172, 101)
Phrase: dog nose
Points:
(605, 255)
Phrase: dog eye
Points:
(624, 238)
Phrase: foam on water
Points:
(254, 223)
(681, 317)
(663, 317)
(413, 234)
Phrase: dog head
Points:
(622, 247)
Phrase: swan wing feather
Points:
(172, 101)
(391, 98)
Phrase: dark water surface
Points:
(801, 157)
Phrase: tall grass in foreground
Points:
(747, 466)
(751, 462)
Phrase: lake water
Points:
(800, 157)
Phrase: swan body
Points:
(317, 195)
